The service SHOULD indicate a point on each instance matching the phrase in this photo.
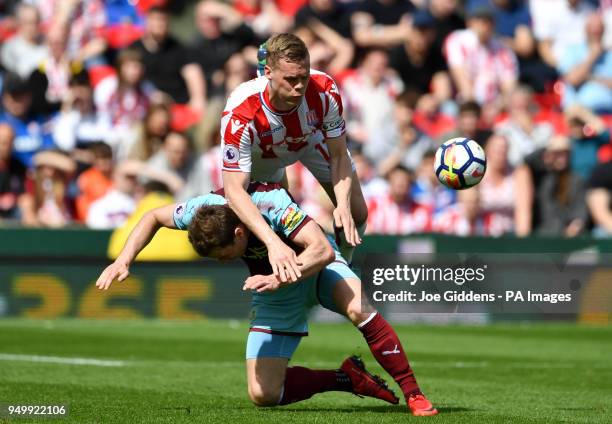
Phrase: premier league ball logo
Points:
(230, 154)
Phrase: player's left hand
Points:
(343, 219)
(262, 283)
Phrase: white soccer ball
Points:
(460, 163)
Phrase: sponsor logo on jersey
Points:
(292, 218)
(275, 130)
(328, 126)
(230, 154)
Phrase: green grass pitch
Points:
(193, 372)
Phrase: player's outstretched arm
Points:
(140, 236)
(342, 174)
(317, 254)
(282, 258)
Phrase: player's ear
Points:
(239, 232)
(268, 72)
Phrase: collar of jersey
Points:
(263, 95)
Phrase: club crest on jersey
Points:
(230, 154)
(292, 218)
(311, 118)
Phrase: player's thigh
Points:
(347, 297)
(265, 377)
(339, 290)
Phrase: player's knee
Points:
(356, 313)
(264, 396)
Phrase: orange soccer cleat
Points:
(420, 406)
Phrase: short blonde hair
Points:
(285, 46)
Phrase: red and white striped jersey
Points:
(385, 216)
(453, 220)
(260, 140)
(487, 65)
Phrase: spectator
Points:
(328, 50)
(468, 124)
(268, 17)
(513, 25)
(399, 142)
(12, 177)
(24, 52)
(371, 183)
(427, 190)
(524, 135)
(168, 64)
(57, 67)
(331, 13)
(558, 25)
(395, 212)
(221, 34)
(235, 72)
(96, 181)
(481, 66)
(599, 199)
(82, 21)
(588, 132)
(466, 218)
(497, 195)
(78, 123)
(587, 70)
(52, 174)
(419, 64)
(381, 23)
(552, 199)
(113, 208)
(31, 132)
(175, 156)
(154, 128)
(369, 95)
(447, 19)
(122, 100)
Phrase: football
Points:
(460, 163)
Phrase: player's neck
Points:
(277, 104)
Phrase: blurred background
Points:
(111, 108)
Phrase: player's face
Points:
(288, 81)
(234, 250)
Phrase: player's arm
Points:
(282, 258)
(341, 174)
(317, 254)
(139, 238)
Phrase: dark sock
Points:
(388, 351)
(302, 383)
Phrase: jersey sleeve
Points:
(237, 135)
(280, 211)
(333, 122)
(185, 212)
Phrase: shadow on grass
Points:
(377, 409)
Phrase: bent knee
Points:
(264, 396)
(357, 313)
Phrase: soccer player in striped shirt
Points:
(291, 113)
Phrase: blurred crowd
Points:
(103, 107)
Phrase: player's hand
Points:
(262, 283)
(284, 262)
(116, 271)
(343, 219)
